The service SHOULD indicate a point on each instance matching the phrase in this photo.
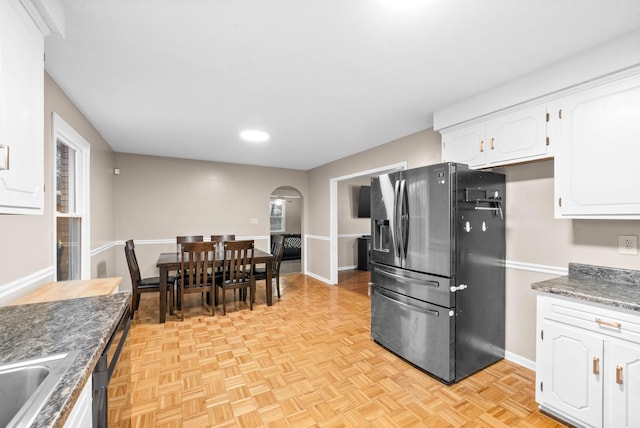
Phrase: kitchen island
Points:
(82, 324)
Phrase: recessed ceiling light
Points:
(254, 136)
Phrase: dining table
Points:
(168, 262)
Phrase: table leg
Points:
(163, 294)
(269, 269)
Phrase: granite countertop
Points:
(41, 329)
(609, 286)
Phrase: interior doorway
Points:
(285, 212)
(334, 211)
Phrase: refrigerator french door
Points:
(437, 267)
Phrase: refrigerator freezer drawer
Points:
(419, 332)
(421, 286)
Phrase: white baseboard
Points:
(318, 277)
(521, 361)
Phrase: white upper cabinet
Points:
(512, 137)
(465, 145)
(21, 108)
(597, 136)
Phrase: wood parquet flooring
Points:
(306, 361)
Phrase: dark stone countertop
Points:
(609, 286)
(41, 329)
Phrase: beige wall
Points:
(422, 148)
(293, 216)
(29, 253)
(159, 198)
(534, 236)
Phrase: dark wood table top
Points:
(171, 261)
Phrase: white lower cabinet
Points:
(81, 415)
(623, 395)
(588, 363)
(567, 382)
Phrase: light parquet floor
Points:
(306, 361)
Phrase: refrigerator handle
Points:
(414, 308)
(397, 206)
(404, 218)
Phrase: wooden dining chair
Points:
(277, 251)
(219, 239)
(198, 258)
(237, 271)
(223, 238)
(188, 238)
(140, 285)
(179, 241)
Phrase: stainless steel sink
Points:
(26, 385)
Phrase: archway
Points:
(285, 211)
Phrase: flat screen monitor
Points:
(364, 202)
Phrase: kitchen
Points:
(539, 246)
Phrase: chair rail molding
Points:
(105, 247)
(533, 267)
(10, 291)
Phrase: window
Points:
(68, 220)
(71, 222)
(276, 208)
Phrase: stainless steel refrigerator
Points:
(437, 267)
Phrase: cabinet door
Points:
(21, 107)
(466, 145)
(570, 373)
(81, 416)
(622, 385)
(597, 152)
(518, 136)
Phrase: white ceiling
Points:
(326, 78)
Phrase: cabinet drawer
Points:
(610, 322)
